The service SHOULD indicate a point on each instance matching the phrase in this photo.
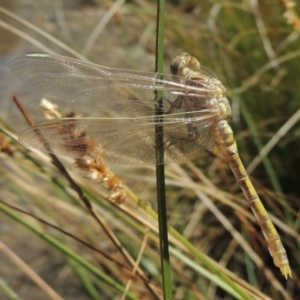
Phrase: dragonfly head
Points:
(183, 64)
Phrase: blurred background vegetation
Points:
(253, 48)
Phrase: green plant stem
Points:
(160, 171)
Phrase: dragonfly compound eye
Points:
(176, 64)
(181, 63)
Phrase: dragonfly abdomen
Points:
(224, 139)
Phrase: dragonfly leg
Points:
(174, 105)
(192, 131)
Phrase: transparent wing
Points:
(103, 89)
(125, 141)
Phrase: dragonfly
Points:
(194, 117)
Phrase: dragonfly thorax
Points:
(187, 69)
(218, 101)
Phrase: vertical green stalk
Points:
(160, 170)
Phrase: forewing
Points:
(99, 88)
